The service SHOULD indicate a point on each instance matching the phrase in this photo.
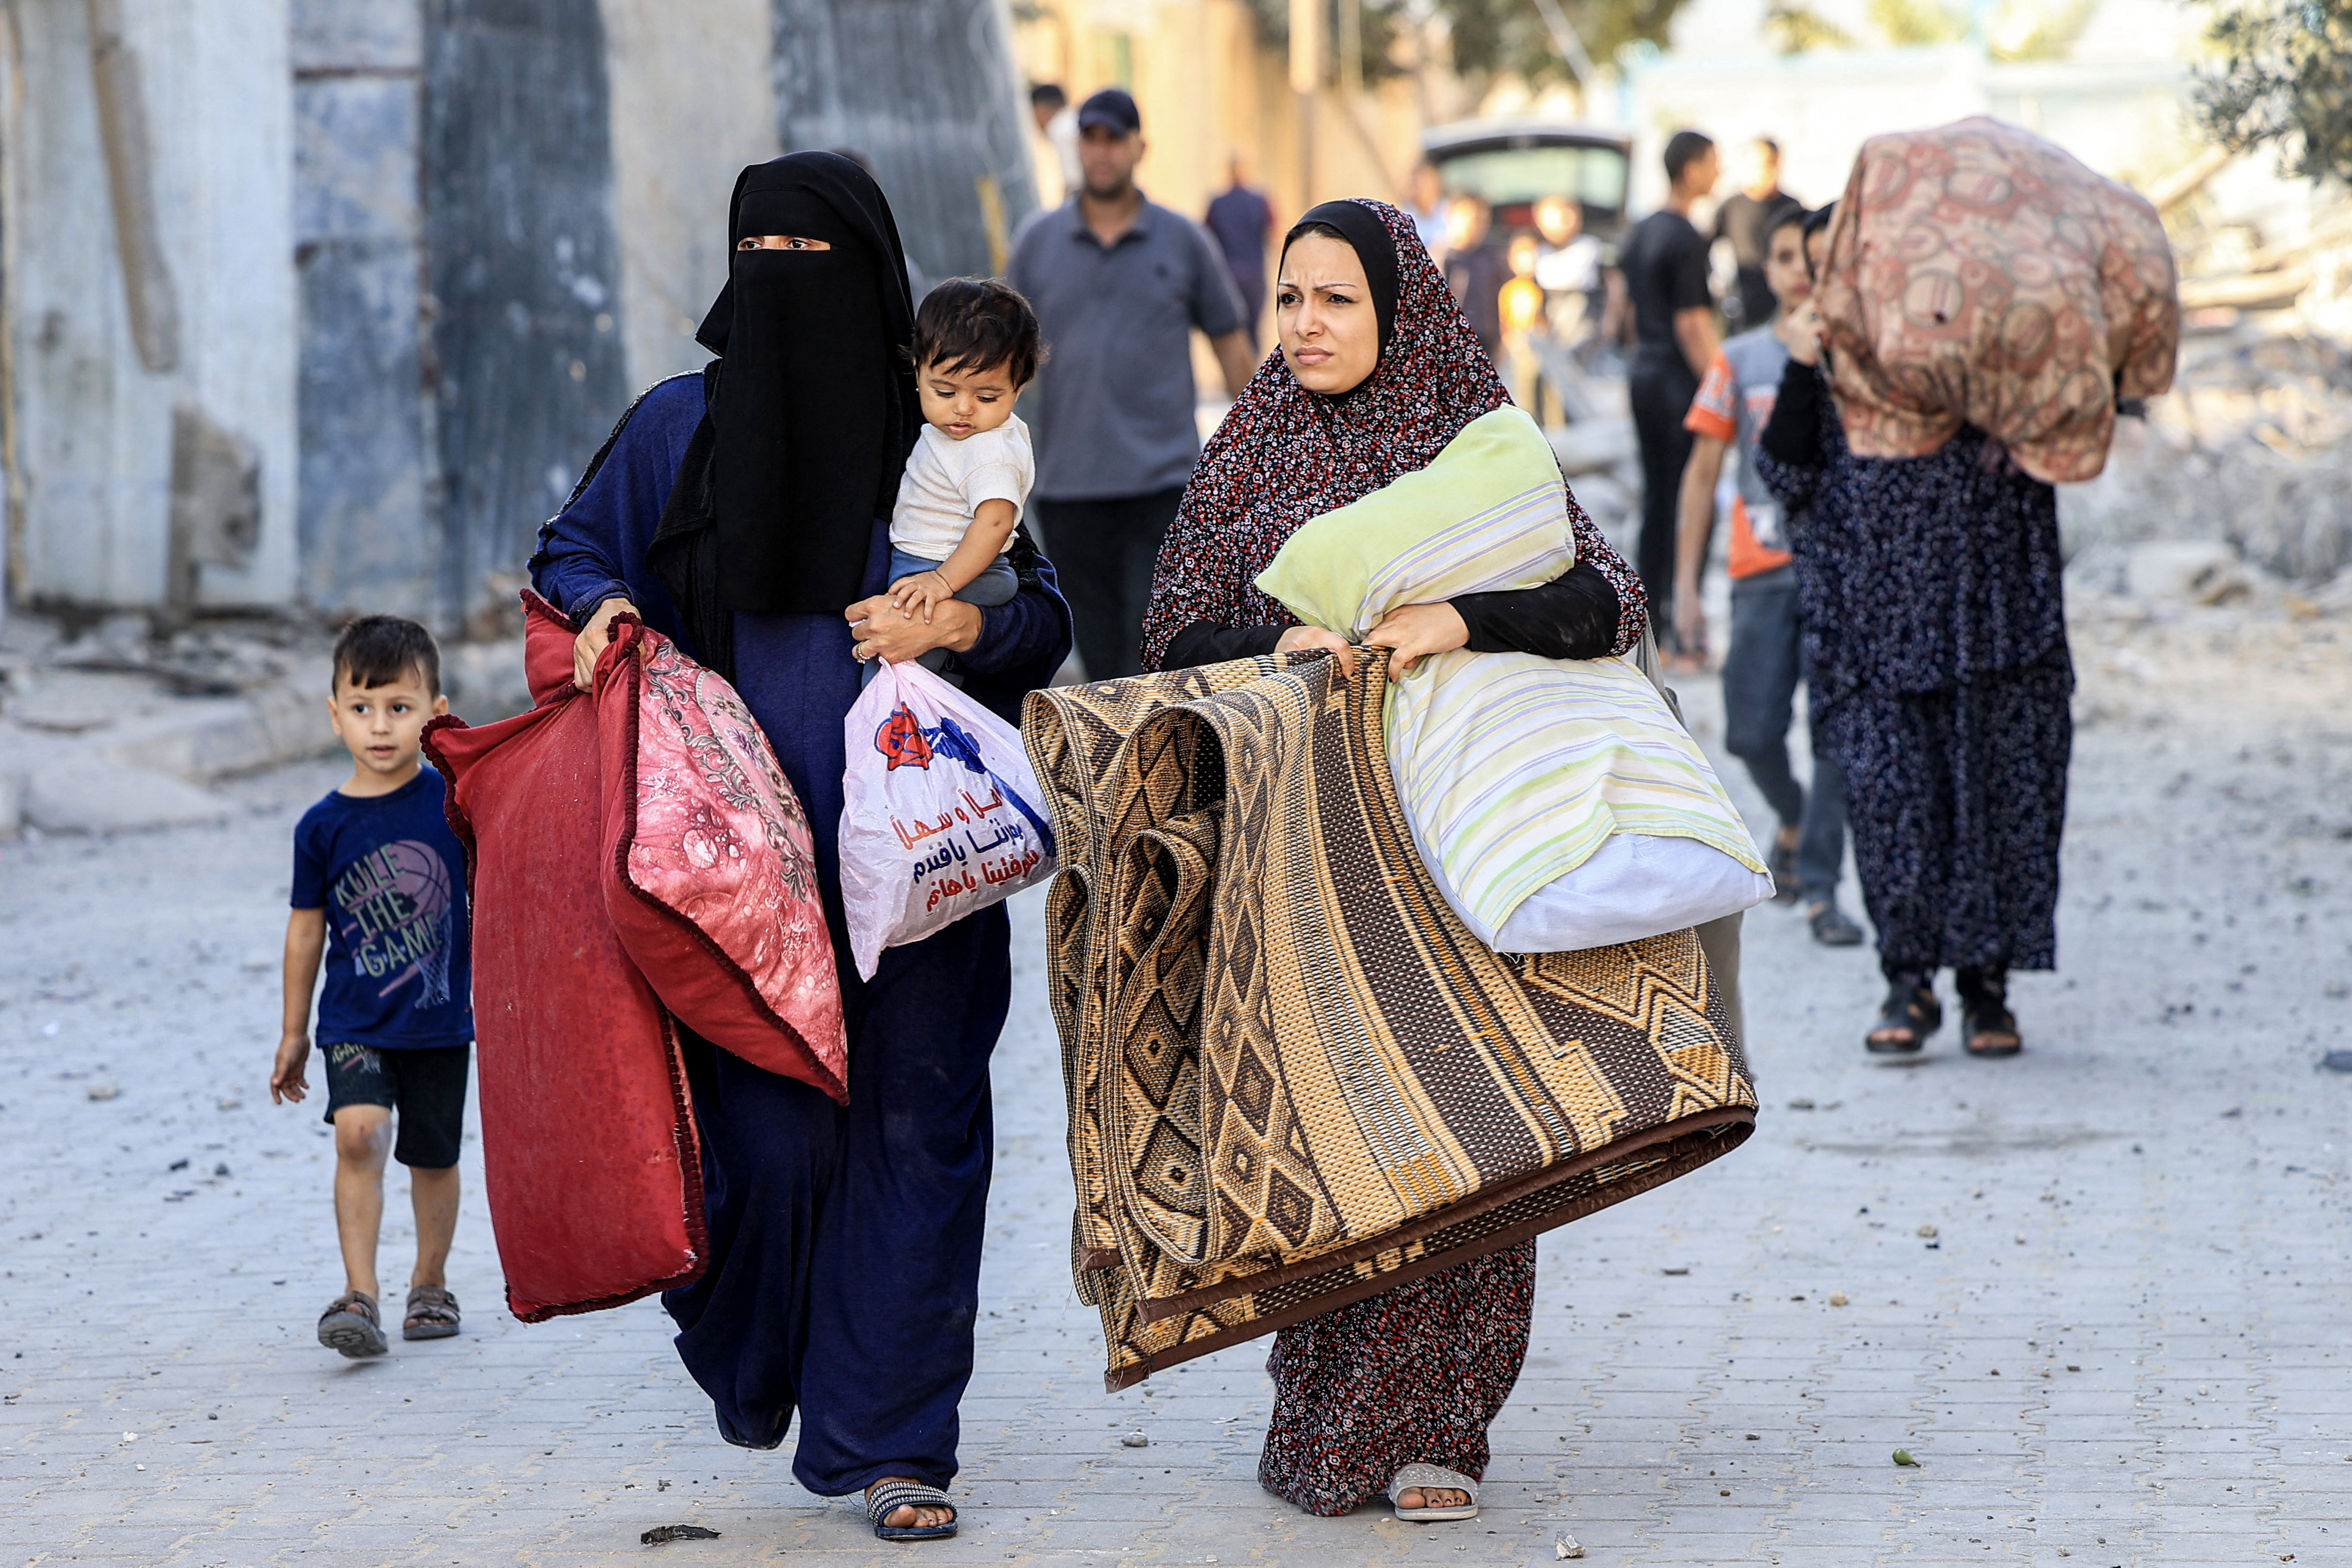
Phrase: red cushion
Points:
(708, 870)
(589, 1144)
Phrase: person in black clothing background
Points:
(1475, 269)
(1664, 266)
(1747, 218)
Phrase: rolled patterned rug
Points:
(1295, 1077)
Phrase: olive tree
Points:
(2284, 80)
(1488, 37)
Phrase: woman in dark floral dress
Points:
(1936, 630)
(1379, 370)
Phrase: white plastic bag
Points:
(940, 815)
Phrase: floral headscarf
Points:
(1283, 455)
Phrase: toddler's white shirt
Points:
(946, 481)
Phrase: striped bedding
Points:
(1516, 769)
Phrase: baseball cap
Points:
(1111, 108)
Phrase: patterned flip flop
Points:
(890, 1497)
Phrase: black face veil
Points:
(811, 407)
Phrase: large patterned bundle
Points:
(1294, 1078)
(1975, 273)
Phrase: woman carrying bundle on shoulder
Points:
(1935, 637)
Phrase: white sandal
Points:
(1428, 1479)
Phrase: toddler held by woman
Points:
(976, 346)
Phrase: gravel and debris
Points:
(2205, 941)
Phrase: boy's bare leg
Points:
(363, 1139)
(434, 1194)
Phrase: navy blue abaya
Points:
(844, 1241)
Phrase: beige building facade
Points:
(1209, 87)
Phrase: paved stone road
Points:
(2126, 1344)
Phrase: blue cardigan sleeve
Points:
(1031, 627)
(595, 549)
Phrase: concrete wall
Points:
(225, 188)
(575, 218)
(925, 91)
(1210, 86)
(91, 436)
(524, 268)
(91, 422)
(693, 102)
(371, 519)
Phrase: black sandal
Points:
(352, 1326)
(1984, 1003)
(1910, 1015)
(1832, 929)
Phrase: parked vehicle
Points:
(1513, 164)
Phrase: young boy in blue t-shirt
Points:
(380, 886)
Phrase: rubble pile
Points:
(119, 722)
(2252, 449)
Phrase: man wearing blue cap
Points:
(1118, 283)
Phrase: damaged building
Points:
(322, 304)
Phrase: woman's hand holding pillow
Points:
(594, 638)
(1409, 633)
(1413, 632)
(1310, 639)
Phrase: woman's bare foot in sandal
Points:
(1425, 1493)
(913, 1518)
(1984, 1003)
(1909, 1015)
(1995, 1043)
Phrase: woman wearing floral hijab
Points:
(1379, 370)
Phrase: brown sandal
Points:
(432, 1313)
(352, 1326)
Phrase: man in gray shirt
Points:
(1118, 283)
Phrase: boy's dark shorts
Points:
(425, 1087)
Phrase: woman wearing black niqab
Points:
(812, 407)
(744, 512)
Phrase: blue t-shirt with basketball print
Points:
(392, 878)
